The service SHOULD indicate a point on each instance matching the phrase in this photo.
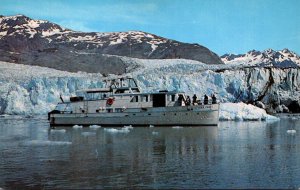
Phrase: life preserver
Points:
(109, 101)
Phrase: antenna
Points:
(60, 97)
(130, 44)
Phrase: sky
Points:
(223, 26)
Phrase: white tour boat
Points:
(122, 103)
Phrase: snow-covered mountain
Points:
(38, 42)
(268, 58)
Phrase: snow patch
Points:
(117, 41)
(34, 23)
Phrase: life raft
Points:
(109, 101)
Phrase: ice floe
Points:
(177, 127)
(291, 131)
(113, 130)
(57, 130)
(46, 143)
(87, 133)
(77, 127)
(94, 126)
(128, 126)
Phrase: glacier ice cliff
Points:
(35, 90)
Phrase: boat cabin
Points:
(119, 95)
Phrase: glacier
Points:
(32, 90)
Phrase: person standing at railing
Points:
(214, 99)
(205, 99)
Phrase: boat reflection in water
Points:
(138, 152)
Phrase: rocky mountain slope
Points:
(37, 42)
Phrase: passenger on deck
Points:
(180, 99)
(205, 99)
(214, 99)
(188, 101)
(194, 99)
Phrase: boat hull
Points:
(199, 115)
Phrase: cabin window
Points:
(159, 100)
(109, 110)
(168, 97)
(135, 99)
(173, 97)
(144, 98)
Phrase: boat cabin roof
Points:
(149, 93)
(96, 90)
(109, 90)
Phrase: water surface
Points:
(232, 155)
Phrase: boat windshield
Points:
(63, 107)
(93, 96)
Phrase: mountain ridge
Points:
(40, 42)
(284, 58)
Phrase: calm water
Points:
(232, 155)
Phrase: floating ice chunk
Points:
(77, 127)
(291, 131)
(272, 118)
(154, 133)
(128, 126)
(46, 143)
(4, 115)
(57, 130)
(113, 130)
(88, 133)
(95, 126)
(242, 111)
(294, 118)
(177, 127)
(151, 126)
